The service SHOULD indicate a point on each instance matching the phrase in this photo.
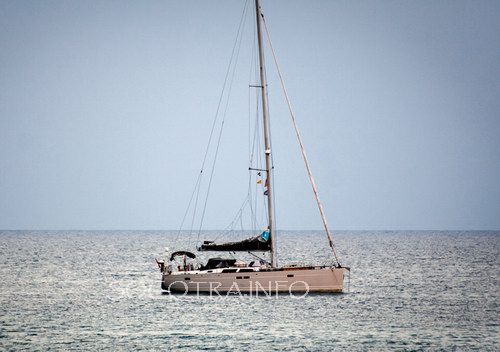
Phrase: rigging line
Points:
(251, 78)
(242, 20)
(251, 179)
(249, 196)
(200, 175)
(238, 216)
(250, 145)
(263, 217)
(249, 192)
(231, 224)
(241, 222)
(252, 63)
(195, 208)
(255, 199)
(258, 162)
(238, 213)
(253, 209)
(240, 30)
(232, 62)
(253, 70)
(257, 153)
(255, 134)
(304, 155)
(255, 156)
(188, 207)
(257, 144)
(256, 256)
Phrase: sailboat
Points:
(223, 274)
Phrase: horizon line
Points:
(250, 230)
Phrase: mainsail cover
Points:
(259, 243)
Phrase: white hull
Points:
(285, 280)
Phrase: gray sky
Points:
(105, 109)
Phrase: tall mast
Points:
(267, 138)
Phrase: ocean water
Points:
(101, 290)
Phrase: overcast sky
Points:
(105, 110)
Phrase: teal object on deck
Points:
(265, 236)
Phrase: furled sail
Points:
(259, 243)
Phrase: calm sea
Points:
(101, 290)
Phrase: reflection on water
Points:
(101, 290)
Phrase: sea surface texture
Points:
(71, 290)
